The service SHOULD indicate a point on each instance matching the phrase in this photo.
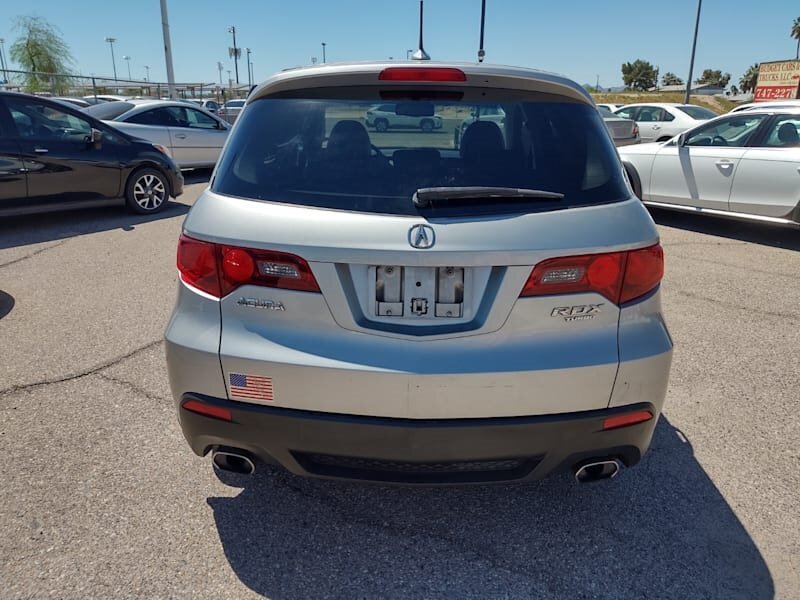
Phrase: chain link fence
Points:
(70, 85)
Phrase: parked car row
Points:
(52, 155)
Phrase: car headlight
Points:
(162, 149)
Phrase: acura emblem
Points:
(421, 236)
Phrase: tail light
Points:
(619, 276)
(218, 269)
(422, 74)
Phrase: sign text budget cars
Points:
(778, 81)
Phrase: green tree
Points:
(671, 79)
(714, 77)
(639, 74)
(795, 33)
(747, 82)
(40, 48)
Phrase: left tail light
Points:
(218, 269)
(619, 276)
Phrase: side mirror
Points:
(96, 138)
(681, 140)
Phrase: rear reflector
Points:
(619, 276)
(633, 418)
(218, 270)
(422, 74)
(208, 410)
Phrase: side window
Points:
(666, 116)
(649, 114)
(784, 133)
(212, 105)
(164, 117)
(198, 120)
(35, 120)
(628, 113)
(735, 132)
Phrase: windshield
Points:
(697, 112)
(340, 154)
(108, 111)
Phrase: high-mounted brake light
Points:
(218, 270)
(619, 276)
(422, 74)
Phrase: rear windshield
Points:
(234, 103)
(108, 110)
(342, 154)
(697, 112)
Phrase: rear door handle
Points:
(724, 163)
(41, 150)
(656, 126)
(180, 136)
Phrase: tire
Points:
(381, 125)
(426, 125)
(633, 177)
(147, 191)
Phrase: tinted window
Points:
(234, 104)
(784, 132)
(317, 152)
(41, 121)
(734, 132)
(166, 116)
(628, 113)
(604, 112)
(108, 111)
(697, 112)
(212, 105)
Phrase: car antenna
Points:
(419, 53)
(481, 51)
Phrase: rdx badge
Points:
(581, 312)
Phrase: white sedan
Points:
(738, 165)
(660, 121)
(193, 136)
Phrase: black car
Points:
(55, 157)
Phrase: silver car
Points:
(415, 309)
(401, 116)
(624, 132)
(193, 136)
(230, 110)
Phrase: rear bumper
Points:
(425, 451)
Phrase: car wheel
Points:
(381, 125)
(147, 191)
(636, 183)
(426, 125)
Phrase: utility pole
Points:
(111, 41)
(147, 76)
(3, 60)
(236, 52)
(323, 53)
(167, 49)
(691, 61)
(128, 60)
(220, 68)
(249, 75)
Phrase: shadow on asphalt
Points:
(53, 226)
(745, 231)
(660, 530)
(6, 303)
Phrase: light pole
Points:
(236, 52)
(3, 60)
(220, 68)
(111, 41)
(167, 49)
(147, 75)
(249, 75)
(128, 60)
(691, 61)
(323, 53)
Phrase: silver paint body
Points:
(504, 356)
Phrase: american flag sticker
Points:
(251, 387)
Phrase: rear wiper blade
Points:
(425, 197)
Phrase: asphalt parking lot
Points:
(101, 497)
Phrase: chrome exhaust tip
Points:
(233, 462)
(596, 470)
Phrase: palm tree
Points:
(796, 35)
(747, 82)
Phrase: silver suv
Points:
(401, 116)
(478, 308)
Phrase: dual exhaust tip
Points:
(596, 470)
(233, 461)
(240, 462)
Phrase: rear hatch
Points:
(392, 273)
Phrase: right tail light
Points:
(619, 276)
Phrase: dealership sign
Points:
(778, 81)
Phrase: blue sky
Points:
(582, 39)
